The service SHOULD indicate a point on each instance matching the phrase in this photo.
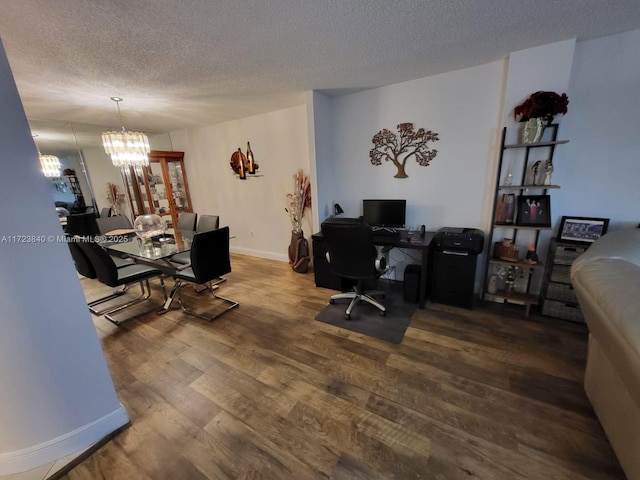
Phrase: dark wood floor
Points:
(268, 392)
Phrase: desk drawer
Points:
(565, 311)
(561, 273)
(566, 254)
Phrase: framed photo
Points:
(534, 210)
(582, 229)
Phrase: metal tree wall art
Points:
(398, 149)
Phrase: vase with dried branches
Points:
(115, 198)
(298, 202)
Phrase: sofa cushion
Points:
(608, 290)
(622, 244)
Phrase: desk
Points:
(394, 241)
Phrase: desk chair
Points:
(187, 221)
(352, 254)
(105, 212)
(109, 274)
(209, 261)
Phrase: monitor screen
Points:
(384, 213)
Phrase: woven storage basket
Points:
(505, 251)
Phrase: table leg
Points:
(167, 304)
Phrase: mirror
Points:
(79, 148)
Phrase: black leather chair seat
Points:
(107, 273)
(208, 260)
(134, 273)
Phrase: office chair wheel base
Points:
(347, 316)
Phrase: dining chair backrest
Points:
(187, 221)
(206, 223)
(105, 267)
(83, 264)
(82, 224)
(108, 224)
(210, 254)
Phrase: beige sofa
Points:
(606, 279)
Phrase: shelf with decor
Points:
(521, 209)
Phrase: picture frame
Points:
(581, 230)
(534, 211)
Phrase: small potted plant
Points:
(538, 111)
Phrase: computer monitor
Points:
(384, 213)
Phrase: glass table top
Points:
(156, 248)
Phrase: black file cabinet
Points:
(452, 266)
(453, 278)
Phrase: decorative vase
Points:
(148, 226)
(492, 287)
(299, 252)
(533, 130)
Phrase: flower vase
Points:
(533, 130)
(299, 252)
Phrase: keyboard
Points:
(386, 232)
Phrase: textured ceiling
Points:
(181, 63)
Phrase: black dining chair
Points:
(352, 254)
(209, 261)
(187, 221)
(206, 223)
(83, 224)
(85, 268)
(116, 222)
(109, 274)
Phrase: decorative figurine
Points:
(533, 173)
(531, 258)
(548, 170)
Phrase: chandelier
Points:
(50, 163)
(127, 149)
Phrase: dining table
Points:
(155, 250)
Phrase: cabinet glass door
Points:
(178, 189)
(135, 185)
(159, 200)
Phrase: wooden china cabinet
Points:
(160, 188)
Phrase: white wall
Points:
(101, 172)
(462, 107)
(254, 208)
(467, 108)
(321, 127)
(600, 167)
(56, 394)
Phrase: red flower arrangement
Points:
(544, 105)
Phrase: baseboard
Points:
(63, 446)
(261, 254)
